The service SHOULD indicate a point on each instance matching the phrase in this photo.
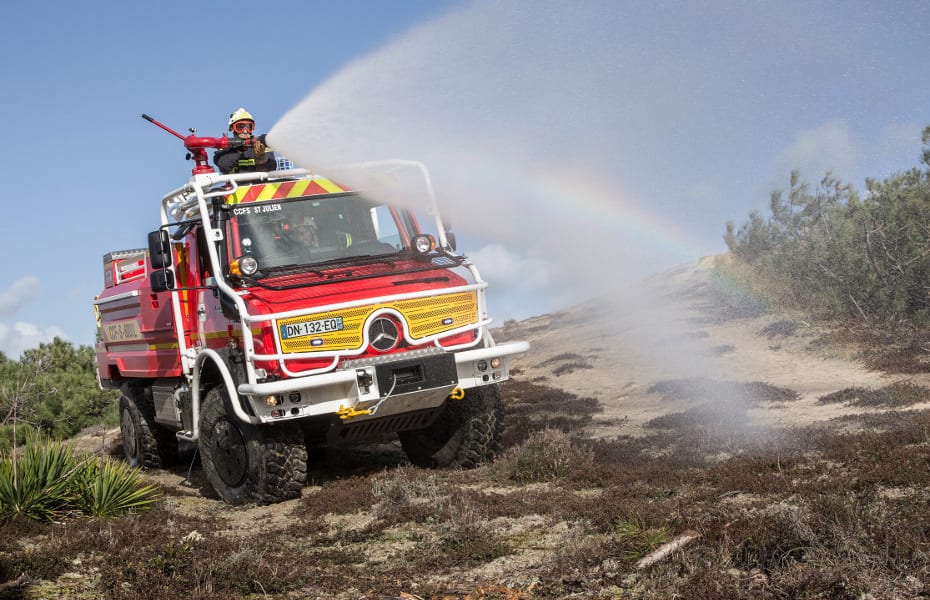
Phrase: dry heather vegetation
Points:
(836, 510)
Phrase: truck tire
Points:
(466, 434)
(146, 444)
(247, 463)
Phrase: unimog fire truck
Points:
(274, 311)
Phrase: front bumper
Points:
(383, 386)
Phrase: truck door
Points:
(212, 326)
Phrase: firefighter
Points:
(307, 233)
(254, 156)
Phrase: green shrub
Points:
(37, 482)
(831, 252)
(53, 389)
(46, 480)
(106, 488)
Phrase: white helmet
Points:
(240, 115)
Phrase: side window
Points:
(385, 227)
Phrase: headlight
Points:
(423, 243)
(248, 265)
(244, 265)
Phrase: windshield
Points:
(313, 230)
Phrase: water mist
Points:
(532, 118)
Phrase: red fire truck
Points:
(273, 311)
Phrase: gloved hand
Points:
(237, 143)
(259, 148)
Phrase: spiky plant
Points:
(37, 482)
(106, 488)
(46, 480)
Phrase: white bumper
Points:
(357, 388)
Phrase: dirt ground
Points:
(620, 357)
(610, 371)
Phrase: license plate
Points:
(295, 330)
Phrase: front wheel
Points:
(466, 434)
(249, 463)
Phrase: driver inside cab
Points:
(306, 233)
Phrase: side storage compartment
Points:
(136, 326)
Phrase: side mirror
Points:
(159, 249)
(228, 307)
(162, 280)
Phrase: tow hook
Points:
(365, 380)
(457, 394)
(347, 412)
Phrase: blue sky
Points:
(645, 125)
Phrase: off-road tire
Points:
(248, 463)
(146, 444)
(466, 434)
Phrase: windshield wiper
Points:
(294, 267)
(371, 258)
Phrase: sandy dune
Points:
(619, 350)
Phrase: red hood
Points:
(348, 283)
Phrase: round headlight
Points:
(423, 243)
(248, 265)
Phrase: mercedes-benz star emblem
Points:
(383, 334)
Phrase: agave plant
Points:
(106, 488)
(47, 480)
(37, 482)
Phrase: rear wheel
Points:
(248, 463)
(146, 444)
(466, 434)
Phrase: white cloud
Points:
(813, 152)
(23, 290)
(23, 336)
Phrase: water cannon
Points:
(197, 146)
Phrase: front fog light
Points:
(496, 363)
(273, 400)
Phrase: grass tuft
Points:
(545, 456)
